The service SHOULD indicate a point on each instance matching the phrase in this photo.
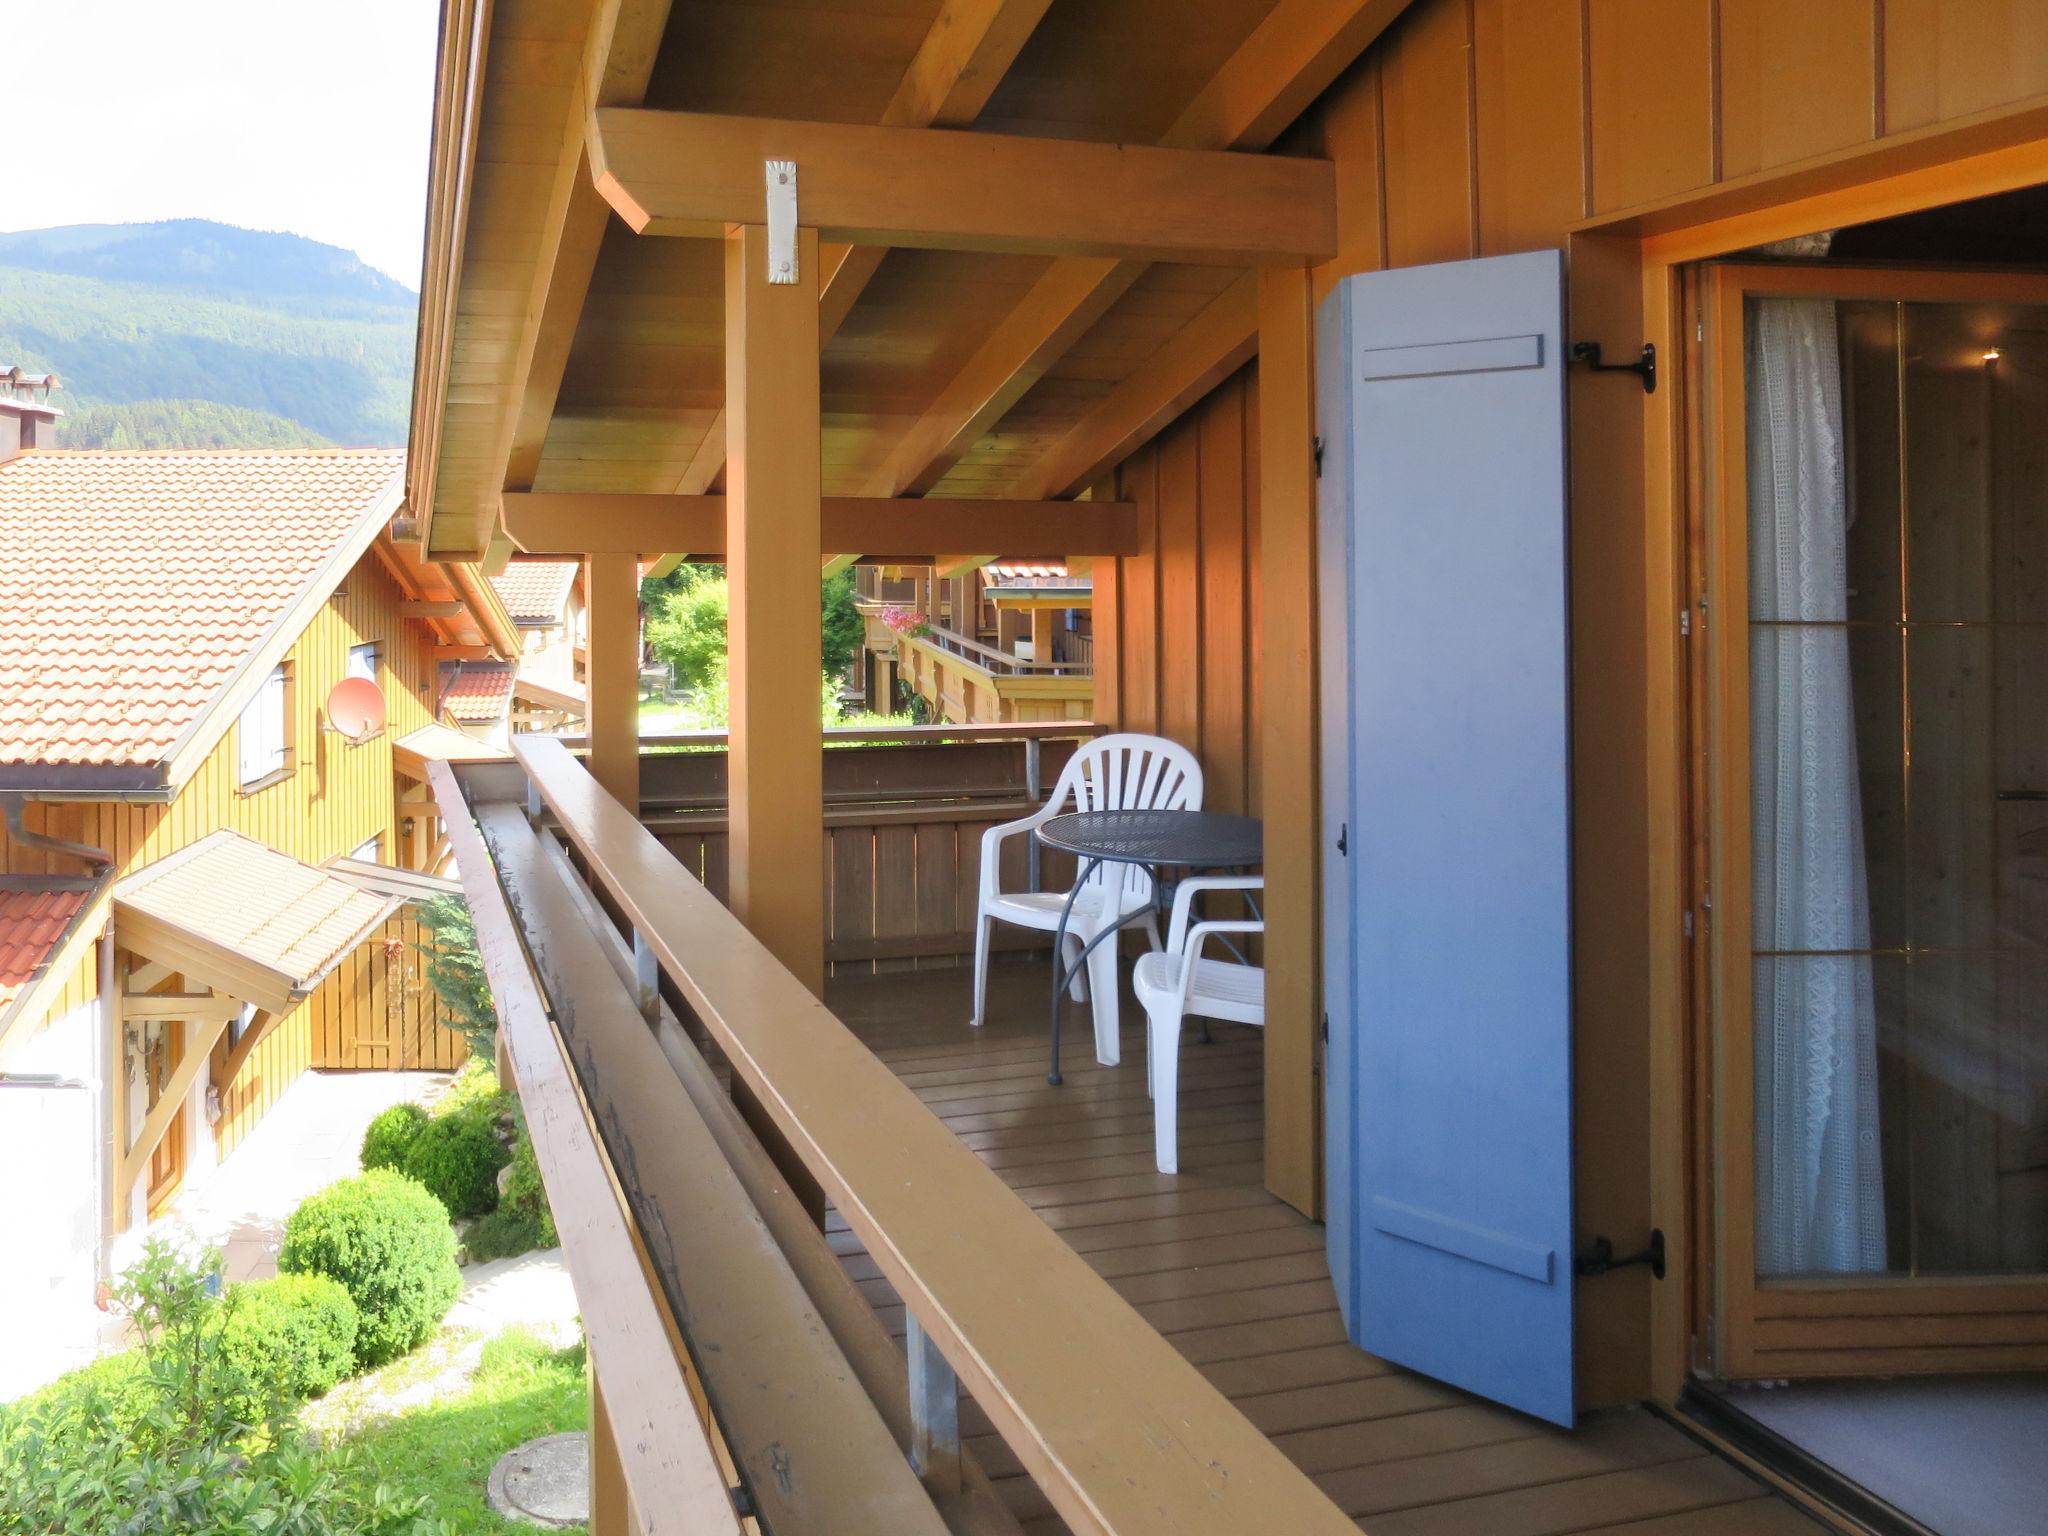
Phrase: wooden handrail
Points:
(1122, 1434)
(965, 648)
(889, 735)
(668, 1459)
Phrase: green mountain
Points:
(194, 334)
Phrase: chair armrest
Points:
(992, 839)
(1184, 901)
(1199, 935)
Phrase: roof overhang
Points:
(393, 882)
(244, 919)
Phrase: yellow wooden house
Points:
(1570, 468)
(208, 850)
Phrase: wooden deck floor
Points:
(1238, 1281)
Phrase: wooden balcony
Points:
(1009, 1321)
(969, 683)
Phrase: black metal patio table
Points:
(1159, 840)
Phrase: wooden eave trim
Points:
(486, 607)
(451, 158)
(908, 528)
(689, 173)
(218, 715)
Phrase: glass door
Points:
(1877, 681)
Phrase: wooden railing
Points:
(1120, 1433)
(905, 807)
(997, 663)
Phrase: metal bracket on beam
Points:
(934, 1412)
(782, 221)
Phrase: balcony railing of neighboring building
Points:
(723, 1330)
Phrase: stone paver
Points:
(530, 1288)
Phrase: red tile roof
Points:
(33, 920)
(481, 691)
(535, 591)
(135, 584)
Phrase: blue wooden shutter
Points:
(1446, 779)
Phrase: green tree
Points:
(455, 970)
(687, 630)
(841, 625)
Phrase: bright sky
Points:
(303, 115)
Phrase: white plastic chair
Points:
(1125, 771)
(1178, 982)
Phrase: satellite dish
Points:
(355, 707)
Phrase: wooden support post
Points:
(1041, 633)
(1287, 734)
(611, 1501)
(775, 770)
(198, 1049)
(614, 685)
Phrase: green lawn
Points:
(446, 1448)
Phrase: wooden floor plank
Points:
(1239, 1283)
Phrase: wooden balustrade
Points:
(905, 808)
(1121, 1433)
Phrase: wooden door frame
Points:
(1861, 1324)
(1625, 275)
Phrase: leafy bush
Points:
(387, 1240)
(455, 970)
(161, 1439)
(292, 1334)
(391, 1136)
(456, 1158)
(475, 1088)
(526, 1195)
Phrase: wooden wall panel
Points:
(1651, 99)
(1426, 121)
(1796, 80)
(1945, 59)
(1528, 65)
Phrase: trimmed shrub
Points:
(115, 1390)
(391, 1136)
(294, 1335)
(457, 1158)
(387, 1240)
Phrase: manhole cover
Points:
(545, 1481)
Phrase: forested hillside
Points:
(189, 334)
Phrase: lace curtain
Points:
(1820, 1190)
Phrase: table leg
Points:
(1059, 978)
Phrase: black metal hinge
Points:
(1599, 1258)
(1587, 354)
(1326, 1029)
(1316, 445)
(1344, 839)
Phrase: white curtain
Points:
(1820, 1185)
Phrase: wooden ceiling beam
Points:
(967, 50)
(694, 173)
(1290, 59)
(911, 528)
(1212, 346)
